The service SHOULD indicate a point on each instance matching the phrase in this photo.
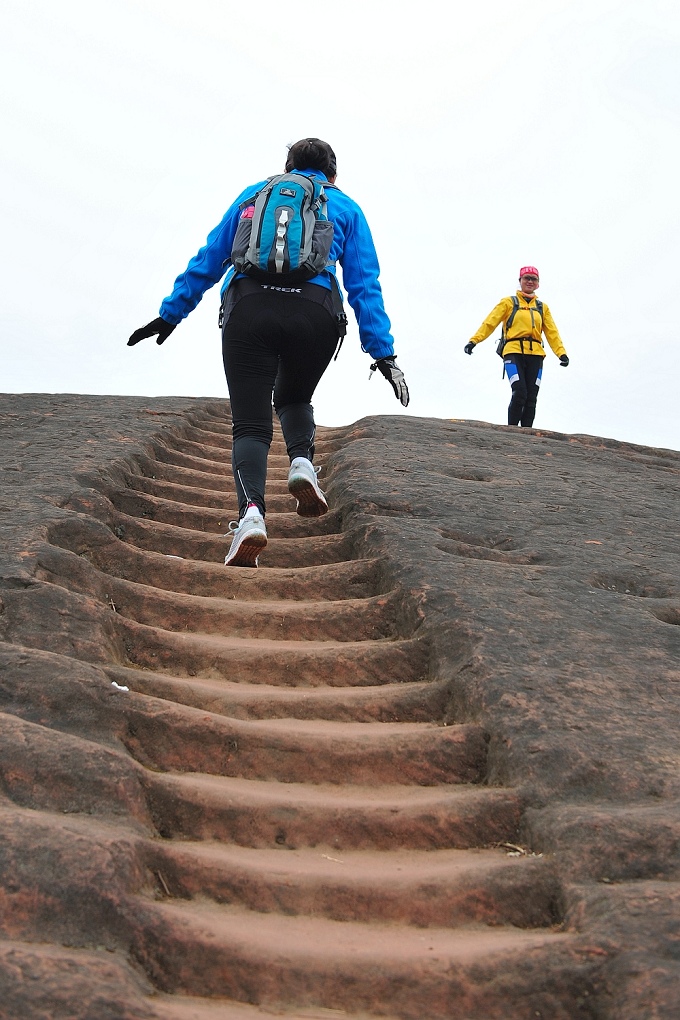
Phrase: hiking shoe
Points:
(248, 541)
(302, 484)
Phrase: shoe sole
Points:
(310, 504)
(248, 551)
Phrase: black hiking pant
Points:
(274, 344)
(524, 374)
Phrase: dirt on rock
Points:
(422, 763)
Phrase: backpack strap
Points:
(338, 306)
(255, 195)
(249, 201)
(511, 318)
(339, 313)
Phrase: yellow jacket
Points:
(524, 335)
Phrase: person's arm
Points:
(360, 277)
(551, 333)
(205, 269)
(493, 319)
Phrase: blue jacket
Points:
(352, 247)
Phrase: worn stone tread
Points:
(358, 578)
(421, 701)
(178, 738)
(265, 660)
(342, 964)
(261, 813)
(437, 887)
(285, 548)
(344, 620)
(180, 1007)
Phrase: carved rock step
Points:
(220, 458)
(444, 888)
(215, 522)
(211, 441)
(221, 441)
(219, 432)
(192, 496)
(221, 483)
(95, 543)
(367, 619)
(265, 958)
(197, 545)
(259, 660)
(177, 738)
(192, 456)
(183, 1007)
(354, 620)
(221, 423)
(266, 814)
(170, 454)
(426, 701)
(218, 448)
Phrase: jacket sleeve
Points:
(206, 268)
(551, 333)
(360, 273)
(499, 314)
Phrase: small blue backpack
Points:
(283, 234)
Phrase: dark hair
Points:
(311, 154)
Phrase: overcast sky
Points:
(476, 137)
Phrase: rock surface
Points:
(422, 763)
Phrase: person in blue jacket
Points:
(279, 340)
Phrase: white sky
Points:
(476, 137)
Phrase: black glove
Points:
(469, 348)
(395, 377)
(160, 326)
(564, 360)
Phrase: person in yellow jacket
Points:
(525, 319)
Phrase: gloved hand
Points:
(160, 326)
(395, 377)
(564, 360)
(469, 348)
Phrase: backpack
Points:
(283, 233)
(511, 318)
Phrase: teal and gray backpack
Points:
(511, 318)
(284, 235)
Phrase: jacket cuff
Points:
(169, 317)
(378, 348)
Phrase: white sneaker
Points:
(249, 539)
(302, 484)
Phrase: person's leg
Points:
(515, 371)
(249, 351)
(533, 374)
(309, 340)
(310, 337)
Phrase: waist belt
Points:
(522, 339)
(329, 297)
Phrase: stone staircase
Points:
(324, 845)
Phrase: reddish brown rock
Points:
(306, 797)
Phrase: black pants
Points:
(273, 343)
(524, 374)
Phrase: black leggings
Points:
(524, 373)
(281, 344)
